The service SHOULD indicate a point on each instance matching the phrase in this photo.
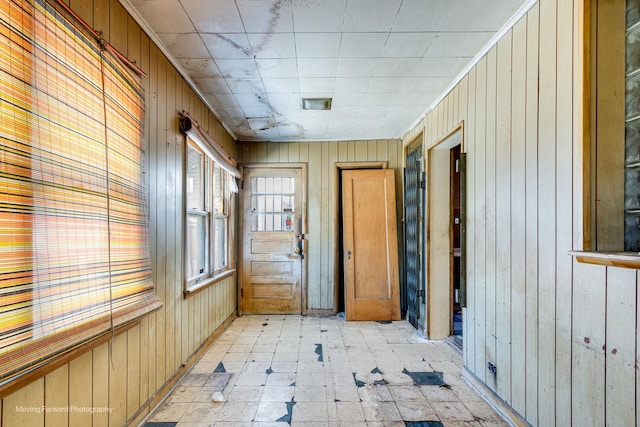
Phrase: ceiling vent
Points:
(316, 103)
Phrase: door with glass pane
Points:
(273, 242)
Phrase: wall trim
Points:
(493, 400)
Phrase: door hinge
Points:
(241, 292)
(420, 293)
(242, 184)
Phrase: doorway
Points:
(445, 241)
(273, 244)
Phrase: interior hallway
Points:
(324, 371)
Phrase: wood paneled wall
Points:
(126, 373)
(563, 334)
(322, 195)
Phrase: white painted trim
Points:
(154, 37)
(492, 42)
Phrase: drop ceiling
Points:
(383, 63)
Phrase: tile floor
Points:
(323, 371)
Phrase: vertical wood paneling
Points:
(133, 371)
(81, 388)
(547, 214)
(314, 220)
(503, 216)
(479, 216)
(518, 216)
(531, 237)
(117, 386)
(564, 209)
(161, 184)
(620, 381)
(56, 397)
(470, 144)
(325, 226)
(21, 407)
(100, 383)
(588, 359)
(490, 208)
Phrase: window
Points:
(208, 196)
(604, 114)
(632, 129)
(74, 261)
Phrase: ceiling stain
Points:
(233, 44)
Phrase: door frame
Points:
(338, 271)
(304, 231)
(439, 251)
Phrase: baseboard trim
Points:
(157, 398)
(495, 401)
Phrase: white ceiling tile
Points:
(251, 99)
(457, 44)
(407, 45)
(285, 102)
(230, 112)
(277, 68)
(278, 85)
(440, 67)
(246, 85)
(185, 45)
(349, 99)
(212, 84)
(200, 67)
(418, 99)
(291, 130)
(238, 68)
(487, 15)
(423, 15)
(386, 84)
(363, 45)
(228, 46)
(213, 16)
(266, 16)
(317, 67)
(221, 99)
(370, 15)
(164, 16)
(396, 67)
(356, 67)
(319, 16)
(279, 45)
(352, 84)
(318, 45)
(259, 110)
(316, 84)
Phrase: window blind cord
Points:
(103, 47)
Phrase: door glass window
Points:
(272, 206)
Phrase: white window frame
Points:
(210, 273)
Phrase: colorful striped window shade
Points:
(74, 260)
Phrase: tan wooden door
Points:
(273, 241)
(370, 245)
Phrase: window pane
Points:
(220, 247)
(272, 203)
(219, 188)
(195, 179)
(196, 245)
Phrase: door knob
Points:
(348, 254)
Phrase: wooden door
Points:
(273, 241)
(370, 245)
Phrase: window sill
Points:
(609, 259)
(203, 284)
